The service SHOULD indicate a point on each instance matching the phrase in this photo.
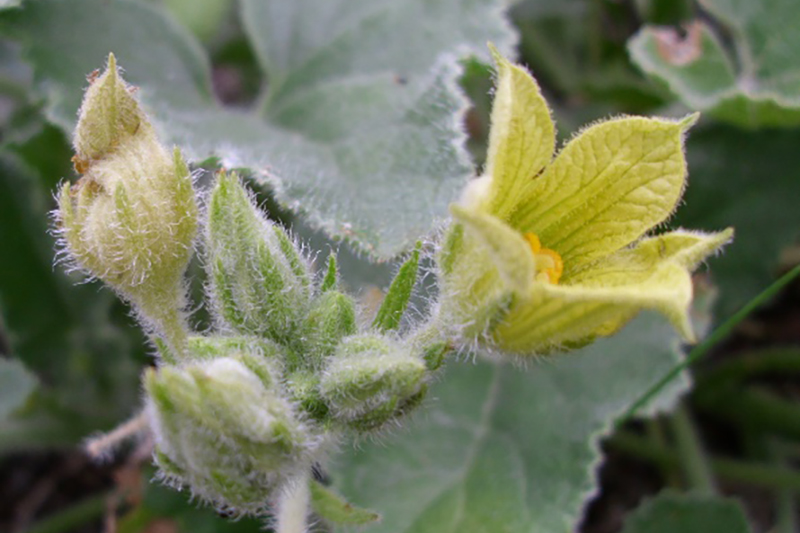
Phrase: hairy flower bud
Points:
(332, 318)
(371, 380)
(225, 431)
(131, 218)
(260, 282)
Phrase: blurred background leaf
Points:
(687, 513)
(360, 126)
(77, 338)
(740, 67)
(16, 384)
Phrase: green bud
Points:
(224, 433)
(260, 282)
(108, 117)
(332, 318)
(131, 219)
(371, 380)
(303, 387)
(263, 357)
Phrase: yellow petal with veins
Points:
(521, 139)
(601, 299)
(607, 187)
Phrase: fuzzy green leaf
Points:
(396, 300)
(687, 513)
(755, 82)
(506, 450)
(62, 332)
(361, 129)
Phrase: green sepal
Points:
(329, 282)
(333, 508)
(434, 355)
(396, 300)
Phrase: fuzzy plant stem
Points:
(175, 331)
(293, 506)
(171, 326)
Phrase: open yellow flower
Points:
(549, 253)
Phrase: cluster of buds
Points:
(251, 408)
(240, 414)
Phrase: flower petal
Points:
(521, 139)
(686, 248)
(504, 248)
(606, 188)
(486, 266)
(601, 299)
(565, 316)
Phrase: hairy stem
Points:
(293, 506)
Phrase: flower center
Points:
(549, 265)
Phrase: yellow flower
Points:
(549, 253)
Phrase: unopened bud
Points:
(261, 356)
(332, 318)
(260, 282)
(131, 219)
(370, 380)
(223, 433)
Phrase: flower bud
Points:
(260, 282)
(223, 433)
(132, 217)
(371, 380)
(332, 318)
(261, 356)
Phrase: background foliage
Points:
(349, 118)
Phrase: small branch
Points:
(655, 433)
(753, 407)
(696, 469)
(758, 474)
(72, 517)
(101, 446)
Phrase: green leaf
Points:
(396, 300)
(755, 82)
(687, 513)
(361, 127)
(333, 508)
(749, 181)
(505, 450)
(77, 339)
(16, 384)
